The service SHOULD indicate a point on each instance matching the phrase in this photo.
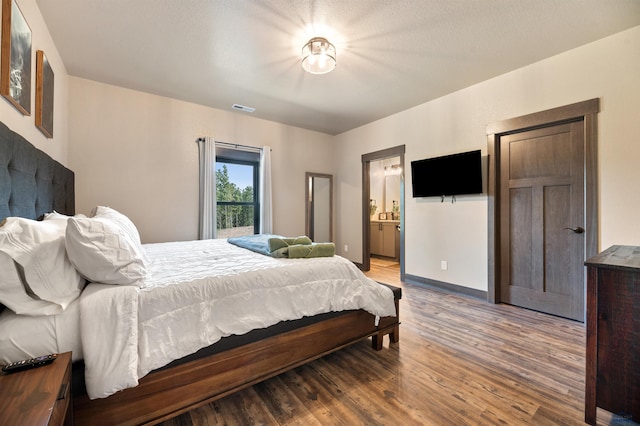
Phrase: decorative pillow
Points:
(123, 221)
(103, 252)
(34, 256)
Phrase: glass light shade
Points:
(393, 170)
(318, 56)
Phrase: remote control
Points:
(29, 363)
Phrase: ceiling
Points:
(392, 55)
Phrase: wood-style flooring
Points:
(460, 361)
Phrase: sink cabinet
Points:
(385, 238)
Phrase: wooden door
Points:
(542, 228)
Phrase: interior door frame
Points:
(586, 112)
(396, 151)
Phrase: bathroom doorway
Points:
(383, 211)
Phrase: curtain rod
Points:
(234, 145)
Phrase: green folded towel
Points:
(284, 247)
(276, 243)
(282, 252)
(314, 250)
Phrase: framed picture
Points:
(15, 61)
(44, 94)
(382, 216)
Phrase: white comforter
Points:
(201, 291)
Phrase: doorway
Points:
(319, 206)
(383, 209)
(542, 208)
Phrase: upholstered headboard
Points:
(31, 182)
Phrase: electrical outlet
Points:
(443, 265)
(346, 248)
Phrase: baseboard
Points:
(449, 288)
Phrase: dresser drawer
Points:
(613, 330)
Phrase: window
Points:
(237, 198)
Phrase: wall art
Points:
(44, 94)
(15, 61)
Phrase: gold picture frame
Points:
(15, 58)
(44, 94)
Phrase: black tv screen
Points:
(455, 174)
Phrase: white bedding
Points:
(201, 291)
(25, 336)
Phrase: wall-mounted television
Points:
(455, 174)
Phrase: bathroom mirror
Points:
(319, 206)
(392, 193)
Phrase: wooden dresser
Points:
(40, 396)
(613, 333)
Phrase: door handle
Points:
(578, 230)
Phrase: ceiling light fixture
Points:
(318, 56)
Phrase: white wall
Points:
(608, 69)
(136, 152)
(56, 147)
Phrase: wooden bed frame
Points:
(164, 394)
(170, 391)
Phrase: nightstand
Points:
(40, 396)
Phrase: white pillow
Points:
(54, 215)
(14, 296)
(103, 252)
(34, 257)
(123, 221)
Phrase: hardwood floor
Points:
(460, 361)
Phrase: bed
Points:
(162, 381)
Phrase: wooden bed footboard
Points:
(167, 393)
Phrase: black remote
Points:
(26, 364)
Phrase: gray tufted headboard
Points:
(31, 182)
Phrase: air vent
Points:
(243, 108)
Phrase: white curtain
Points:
(207, 213)
(266, 219)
